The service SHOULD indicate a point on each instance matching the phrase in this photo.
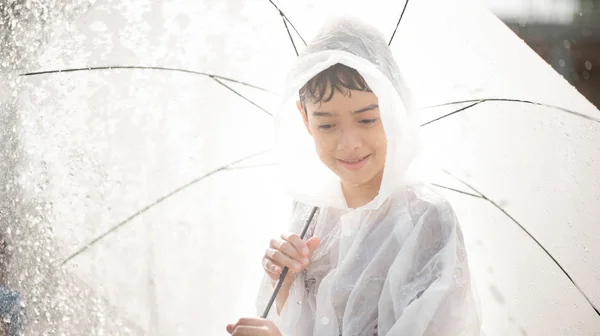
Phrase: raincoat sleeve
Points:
(296, 317)
(428, 289)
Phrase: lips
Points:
(355, 163)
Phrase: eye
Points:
(326, 126)
(368, 121)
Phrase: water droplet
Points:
(567, 44)
(588, 65)
(561, 63)
(586, 75)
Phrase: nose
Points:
(349, 141)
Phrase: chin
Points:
(354, 180)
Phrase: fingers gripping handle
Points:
(285, 270)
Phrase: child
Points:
(383, 256)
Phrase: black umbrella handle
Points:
(285, 270)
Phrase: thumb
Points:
(312, 244)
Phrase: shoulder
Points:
(428, 210)
(421, 198)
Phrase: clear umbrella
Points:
(149, 150)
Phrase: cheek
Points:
(323, 142)
(380, 145)
(325, 147)
(382, 152)
(378, 140)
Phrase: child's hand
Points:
(288, 251)
(253, 326)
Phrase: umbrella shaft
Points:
(275, 292)
(285, 270)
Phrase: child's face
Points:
(348, 135)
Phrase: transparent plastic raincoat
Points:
(396, 266)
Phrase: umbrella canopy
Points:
(152, 147)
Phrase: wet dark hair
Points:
(322, 86)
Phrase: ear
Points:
(304, 115)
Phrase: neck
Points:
(359, 195)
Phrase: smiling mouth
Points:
(354, 164)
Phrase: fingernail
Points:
(297, 266)
(276, 269)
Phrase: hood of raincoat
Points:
(351, 42)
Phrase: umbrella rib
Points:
(216, 78)
(510, 100)
(291, 24)
(242, 96)
(140, 67)
(289, 34)
(250, 166)
(451, 113)
(156, 202)
(294, 28)
(458, 191)
(398, 24)
(478, 194)
(454, 103)
(497, 206)
(575, 113)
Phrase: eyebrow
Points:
(322, 114)
(365, 109)
(329, 114)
